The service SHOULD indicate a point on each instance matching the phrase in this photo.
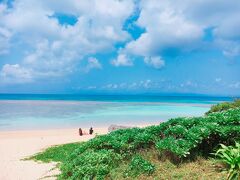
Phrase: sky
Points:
(120, 46)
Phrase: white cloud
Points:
(181, 24)
(222, 16)
(235, 85)
(31, 19)
(110, 86)
(166, 27)
(230, 48)
(155, 62)
(50, 59)
(93, 63)
(189, 83)
(53, 49)
(122, 60)
(15, 74)
(144, 84)
(218, 79)
(5, 36)
(92, 87)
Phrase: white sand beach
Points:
(16, 145)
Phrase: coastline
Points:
(17, 145)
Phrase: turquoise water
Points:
(20, 112)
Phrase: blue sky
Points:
(113, 46)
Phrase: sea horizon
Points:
(112, 96)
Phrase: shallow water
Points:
(42, 114)
(20, 112)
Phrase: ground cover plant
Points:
(138, 165)
(178, 140)
(57, 153)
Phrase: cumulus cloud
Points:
(50, 59)
(155, 62)
(53, 49)
(15, 74)
(5, 34)
(122, 60)
(181, 24)
(93, 63)
(166, 27)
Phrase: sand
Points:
(16, 145)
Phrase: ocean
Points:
(28, 112)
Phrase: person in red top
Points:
(80, 132)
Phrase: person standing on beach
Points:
(91, 131)
(80, 132)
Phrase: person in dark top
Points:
(80, 132)
(91, 130)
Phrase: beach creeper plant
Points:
(230, 155)
(138, 166)
(91, 164)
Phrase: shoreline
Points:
(37, 131)
(45, 129)
(85, 128)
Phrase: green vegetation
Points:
(200, 168)
(230, 155)
(147, 152)
(224, 106)
(139, 166)
(58, 153)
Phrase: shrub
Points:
(203, 136)
(139, 166)
(174, 149)
(230, 155)
(90, 164)
(224, 106)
